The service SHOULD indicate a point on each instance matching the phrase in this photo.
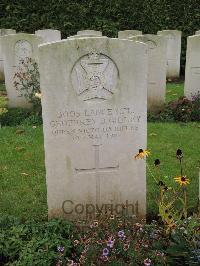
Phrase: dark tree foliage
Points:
(109, 16)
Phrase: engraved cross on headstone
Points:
(97, 170)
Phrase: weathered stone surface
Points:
(49, 35)
(125, 34)
(89, 32)
(94, 119)
(86, 33)
(3, 32)
(192, 70)
(156, 70)
(16, 48)
(173, 38)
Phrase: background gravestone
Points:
(197, 32)
(173, 52)
(3, 32)
(125, 34)
(49, 35)
(89, 32)
(192, 70)
(17, 48)
(94, 122)
(157, 49)
(86, 33)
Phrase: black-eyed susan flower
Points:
(161, 184)
(157, 162)
(182, 180)
(142, 154)
(179, 154)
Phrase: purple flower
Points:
(110, 242)
(121, 234)
(105, 252)
(61, 249)
(147, 262)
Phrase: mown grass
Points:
(163, 141)
(174, 91)
(22, 170)
(22, 173)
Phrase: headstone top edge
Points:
(169, 31)
(23, 35)
(156, 36)
(47, 30)
(75, 40)
(196, 36)
(129, 31)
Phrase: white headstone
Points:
(86, 33)
(94, 122)
(157, 49)
(3, 32)
(49, 35)
(197, 32)
(192, 70)
(17, 48)
(173, 38)
(89, 32)
(125, 34)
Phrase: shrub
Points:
(181, 110)
(195, 115)
(33, 243)
(27, 82)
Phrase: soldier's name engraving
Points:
(95, 123)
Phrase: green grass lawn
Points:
(174, 91)
(2, 87)
(22, 171)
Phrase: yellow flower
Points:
(142, 153)
(182, 180)
(38, 95)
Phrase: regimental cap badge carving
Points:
(94, 77)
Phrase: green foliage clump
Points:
(27, 83)
(33, 243)
(19, 116)
(111, 16)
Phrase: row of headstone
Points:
(19, 46)
(192, 69)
